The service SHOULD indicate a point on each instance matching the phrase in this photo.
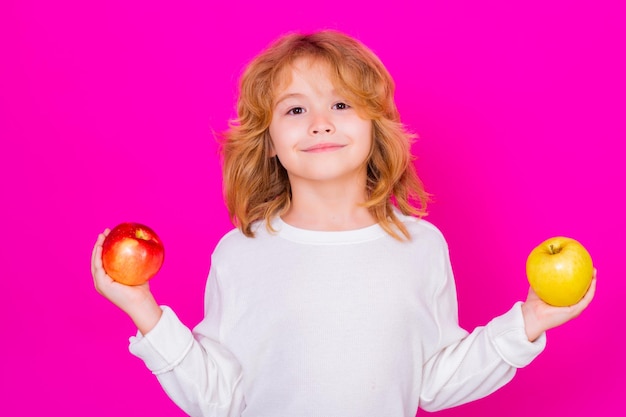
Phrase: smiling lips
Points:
(323, 147)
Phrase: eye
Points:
(341, 106)
(295, 110)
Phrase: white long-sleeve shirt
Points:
(346, 324)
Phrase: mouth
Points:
(323, 147)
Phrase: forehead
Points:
(305, 69)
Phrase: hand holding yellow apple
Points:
(560, 271)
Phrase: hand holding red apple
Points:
(135, 300)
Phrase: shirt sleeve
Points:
(195, 370)
(467, 366)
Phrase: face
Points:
(316, 134)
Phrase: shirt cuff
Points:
(508, 336)
(165, 346)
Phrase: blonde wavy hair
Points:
(256, 185)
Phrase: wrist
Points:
(531, 323)
(146, 314)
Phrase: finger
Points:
(102, 236)
(100, 240)
(102, 281)
(97, 268)
(94, 256)
(98, 257)
(96, 264)
(591, 292)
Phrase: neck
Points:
(329, 207)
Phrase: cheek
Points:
(365, 132)
(368, 135)
(276, 137)
(284, 134)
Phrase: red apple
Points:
(560, 271)
(132, 253)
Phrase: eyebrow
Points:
(287, 96)
(294, 95)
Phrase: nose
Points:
(321, 125)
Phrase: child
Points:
(332, 297)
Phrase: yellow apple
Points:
(560, 271)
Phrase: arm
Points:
(196, 371)
(464, 367)
(478, 363)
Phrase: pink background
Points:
(107, 113)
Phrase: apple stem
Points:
(554, 250)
